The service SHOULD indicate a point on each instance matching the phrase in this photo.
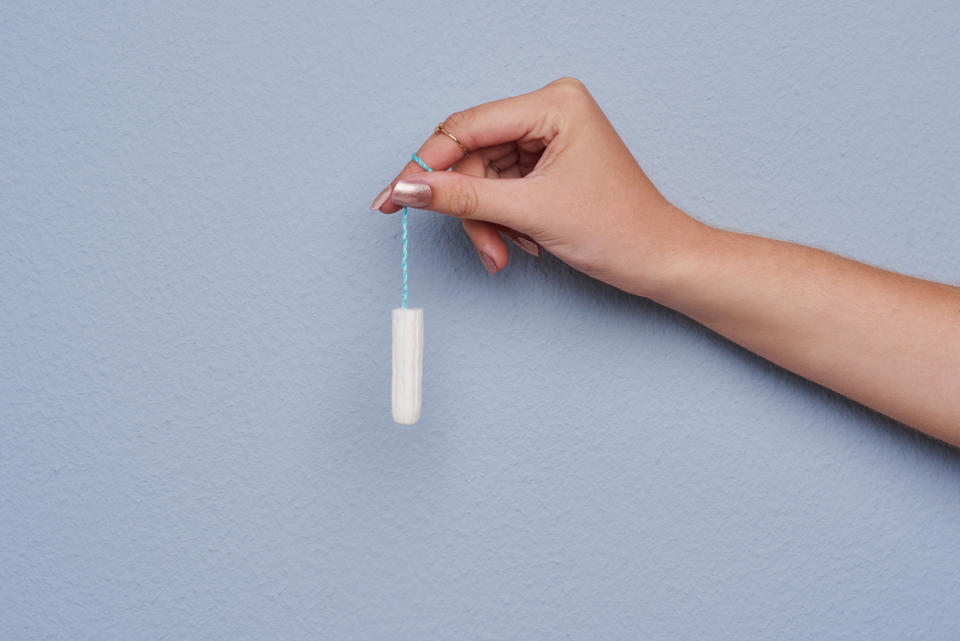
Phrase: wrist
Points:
(686, 260)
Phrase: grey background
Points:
(196, 438)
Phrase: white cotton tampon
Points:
(407, 364)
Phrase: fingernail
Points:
(381, 198)
(527, 245)
(411, 194)
(488, 263)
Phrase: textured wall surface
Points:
(195, 429)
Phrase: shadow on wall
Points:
(596, 294)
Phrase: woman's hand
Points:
(567, 183)
(548, 170)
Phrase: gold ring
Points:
(494, 167)
(443, 130)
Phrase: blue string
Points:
(403, 262)
(419, 161)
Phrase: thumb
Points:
(497, 200)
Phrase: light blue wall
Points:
(196, 438)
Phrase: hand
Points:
(569, 184)
(566, 183)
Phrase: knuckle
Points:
(569, 94)
(569, 85)
(458, 122)
(463, 200)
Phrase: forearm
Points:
(889, 341)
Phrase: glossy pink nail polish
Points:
(488, 264)
(527, 245)
(408, 193)
(381, 198)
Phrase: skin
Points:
(568, 184)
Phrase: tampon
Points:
(407, 364)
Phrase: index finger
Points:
(523, 118)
